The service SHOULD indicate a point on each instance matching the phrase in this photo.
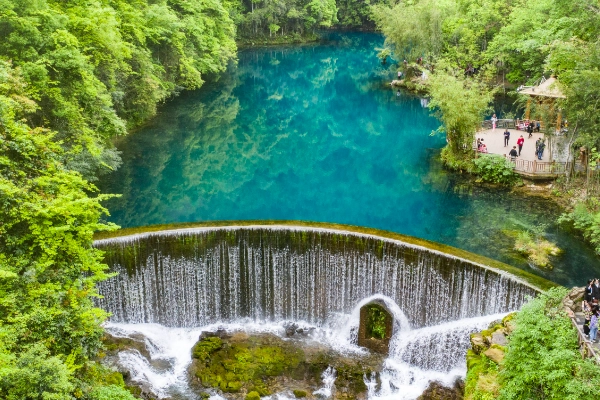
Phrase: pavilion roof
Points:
(548, 88)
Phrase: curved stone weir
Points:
(260, 277)
(199, 276)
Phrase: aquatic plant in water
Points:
(533, 244)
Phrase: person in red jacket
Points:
(520, 142)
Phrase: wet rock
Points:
(499, 338)
(220, 333)
(437, 391)
(494, 323)
(290, 329)
(300, 394)
(267, 364)
(478, 343)
(494, 354)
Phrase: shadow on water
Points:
(311, 133)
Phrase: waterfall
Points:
(172, 285)
(196, 277)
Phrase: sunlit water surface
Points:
(314, 133)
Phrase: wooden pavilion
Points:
(546, 91)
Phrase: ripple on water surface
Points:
(313, 133)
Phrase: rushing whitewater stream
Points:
(173, 285)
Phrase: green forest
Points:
(75, 75)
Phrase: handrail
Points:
(585, 346)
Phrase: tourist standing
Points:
(596, 289)
(506, 137)
(588, 295)
(513, 153)
(587, 315)
(520, 142)
(530, 130)
(494, 120)
(594, 324)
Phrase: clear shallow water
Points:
(313, 133)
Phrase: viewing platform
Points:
(554, 160)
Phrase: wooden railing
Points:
(541, 167)
(585, 346)
(518, 124)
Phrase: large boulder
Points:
(437, 391)
(499, 338)
(494, 354)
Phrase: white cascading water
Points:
(174, 285)
(328, 377)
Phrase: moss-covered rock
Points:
(265, 364)
(495, 354)
(478, 343)
(253, 396)
(437, 391)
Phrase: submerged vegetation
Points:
(533, 244)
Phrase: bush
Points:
(586, 217)
(543, 360)
(493, 168)
(111, 392)
(457, 162)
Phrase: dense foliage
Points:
(543, 360)
(96, 69)
(519, 41)
(460, 104)
(49, 328)
(376, 322)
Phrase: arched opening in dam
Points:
(172, 285)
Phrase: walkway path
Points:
(580, 319)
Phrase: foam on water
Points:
(416, 358)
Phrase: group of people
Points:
(481, 147)
(591, 309)
(540, 144)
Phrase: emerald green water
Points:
(314, 133)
